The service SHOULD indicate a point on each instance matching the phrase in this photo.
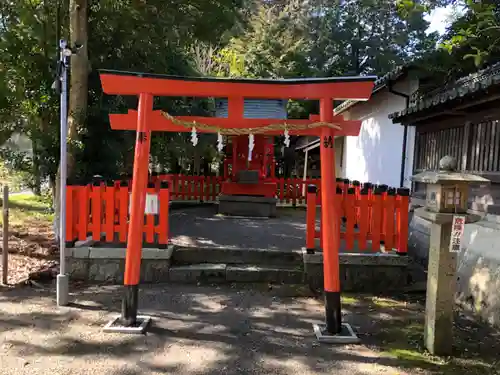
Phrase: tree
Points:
(476, 35)
(367, 36)
(274, 45)
(28, 39)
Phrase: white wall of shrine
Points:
(376, 154)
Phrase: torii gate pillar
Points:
(137, 206)
(333, 331)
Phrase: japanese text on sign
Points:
(457, 230)
(150, 206)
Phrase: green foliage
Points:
(139, 36)
(370, 36)
(275, 45)
(476, 35)
(233, 38)
(28, 105)
(16, 179)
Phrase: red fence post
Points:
(162, 229)
(96, 213)
(403, 201)
(369, 187)
(384, 216)
(202, 181)
(357, 187)
(109, 218)
(311, 219)
(350, 215)
(123, 198)
(376, 219)
(207, 188)
(83, 212)
(71, 215)
(389, 208)
(181, 186)
(363, 223)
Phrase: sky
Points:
(439, 19)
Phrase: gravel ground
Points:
(227, 329)
(196, 330)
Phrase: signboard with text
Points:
(151, 206)
(457, 231)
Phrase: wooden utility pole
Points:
(5, 236)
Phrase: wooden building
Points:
(461, 120)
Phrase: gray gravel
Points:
(196, 330)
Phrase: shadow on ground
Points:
(202, 227)
(235, 330)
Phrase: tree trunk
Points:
(78, 91)
(36, 167)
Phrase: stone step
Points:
(195, 255)
(221, 272)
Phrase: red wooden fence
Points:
(206, 189)
(102, 211)
(377, 214)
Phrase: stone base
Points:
(244, 205)
(107, 264)
(114, 325)
(239, 273)
(194, 273)
(346, 335)
(62, 290)
(365, 273)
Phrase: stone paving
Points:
(200, 226)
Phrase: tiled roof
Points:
(461, 88)
(380, 83)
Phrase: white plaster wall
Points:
(375, 155)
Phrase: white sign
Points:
(151, 206)
(457, 230)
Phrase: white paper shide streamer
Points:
(287, 138)
(251, 145)
(194, 136)
(220, 142)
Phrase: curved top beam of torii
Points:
(338, 88)
(236, 90)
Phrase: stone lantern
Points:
(447, 191)
(446, 210)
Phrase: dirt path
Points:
(208, 330)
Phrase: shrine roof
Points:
(132, 83)
(283, 81)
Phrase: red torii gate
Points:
(146, 120)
